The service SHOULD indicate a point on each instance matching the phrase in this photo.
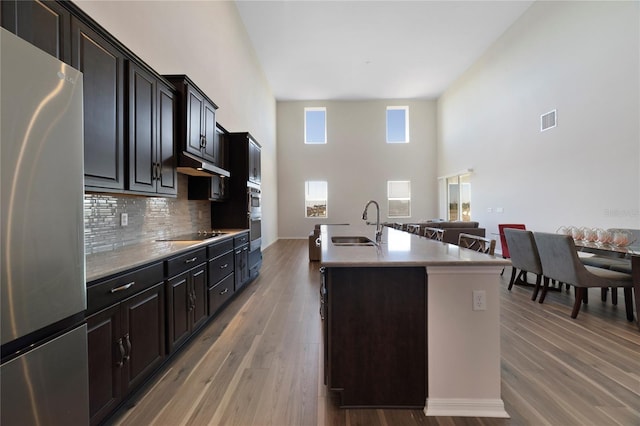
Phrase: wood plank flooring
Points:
(260, 362)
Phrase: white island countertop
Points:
(398, 248)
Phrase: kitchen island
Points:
(410, 322)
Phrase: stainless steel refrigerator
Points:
(43, 371)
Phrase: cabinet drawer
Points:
(220, 267)
(241, 239)
(220, 293)
(113, 290)
(185, 261)
(215, 250)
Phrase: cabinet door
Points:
(211, 142)
(44, 24)
(179, 310)
(241, 258)
(167, 182)
(106, 358)
(103, 67)
(142, 133)
(195, 126)
(199, 295)
(254, 162)
(143, 320)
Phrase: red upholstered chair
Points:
(503, 240)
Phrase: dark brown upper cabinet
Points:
(254, 162)
(197, 121)
(45, 24)
(102, 64)
(151, 133)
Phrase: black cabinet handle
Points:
(226, 290)
(121, 347)
(128, 343)
(224, 266)
(193, 259)
(192, 303)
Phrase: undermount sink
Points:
(352, 241)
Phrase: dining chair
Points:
(434, 233)
(413, 228)
(477, 243)
(503, 241)
(524, 257)
(559, 259)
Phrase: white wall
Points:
(357, 162)
(208, 42)
(581, 58)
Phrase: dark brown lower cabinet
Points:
(241, 258)
(186, 297)
(375, 324)
(126, 344)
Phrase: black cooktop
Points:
(194, 236)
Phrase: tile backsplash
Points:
(149, 218)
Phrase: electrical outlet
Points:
(499, 210)
(124, 219)
(489, 210)
(479, 300)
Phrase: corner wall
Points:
(581, 58)
(356, 161)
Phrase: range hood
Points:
(191, 165)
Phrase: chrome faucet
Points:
(378, 226)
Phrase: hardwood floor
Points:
(259, 361)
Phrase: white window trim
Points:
(324, 109)
(406, 123)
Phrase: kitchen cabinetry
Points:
(221, 274)
(151, 133)
(241, 260)
(186, 296)
(212, 188)
(64, 31)
(242, 209)
(379, 356)
(102, 64)
(126, 339)
(197, 121)
(254, 162)
(44, 24)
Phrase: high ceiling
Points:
(351, 50)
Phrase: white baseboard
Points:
(458, 407)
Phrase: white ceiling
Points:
(371, 49)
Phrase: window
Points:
(315, 125)
(397, 124)
(459, 197)
(315, 198)
(399, 198)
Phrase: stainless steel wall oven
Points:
(255, 216)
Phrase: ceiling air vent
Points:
(548, 121)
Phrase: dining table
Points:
(631, 252)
